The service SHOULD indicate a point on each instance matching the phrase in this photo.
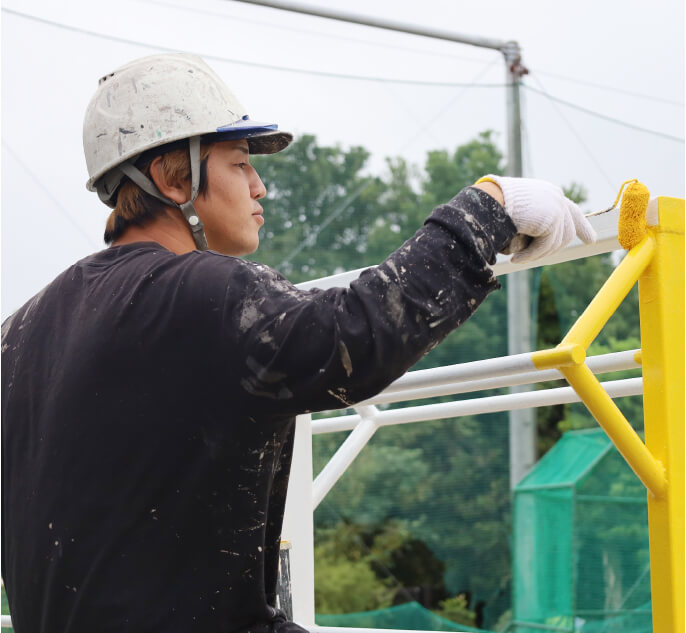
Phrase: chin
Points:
(236, 250)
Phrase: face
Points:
(230, 211)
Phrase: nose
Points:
(257, 188)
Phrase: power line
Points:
(288, 69)
(344, 204)
(451, 102)
(352, 77)
(408, 49)
(321, 73)
(592, 84)
(52, 198)
(599, 115)
(578, 137)
(293, 29)
(311, 239)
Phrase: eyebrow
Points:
(242, 148)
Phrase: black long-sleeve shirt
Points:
(148, 404)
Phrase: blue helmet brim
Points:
(263, 138)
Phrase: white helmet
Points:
(157, 100)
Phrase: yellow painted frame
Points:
(657, 263)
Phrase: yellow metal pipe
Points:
(559, 356)
(661, 303)
(612, 293)
(628, 443)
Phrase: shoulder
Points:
(210, 282)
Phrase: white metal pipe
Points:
(382, 23)
(488, 368)
(298, 525)
(343, 457)
(477, 406)
(335, 424)
(495, 404)
(605, 225)
(614, 361)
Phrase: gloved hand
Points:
(540, 210)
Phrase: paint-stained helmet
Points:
(155, 101)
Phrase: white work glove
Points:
(540, 210)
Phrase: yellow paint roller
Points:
(632, 214)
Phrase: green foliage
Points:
(403, 567)
(457, 610)
(576, 192)
(4, 606)
(397, 478)
(346, 586)
(447, 174)
(318, 206)
(324, 215)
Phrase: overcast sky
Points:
(615, 70)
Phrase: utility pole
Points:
(522, 423)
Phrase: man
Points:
(149, 392)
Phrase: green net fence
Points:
(411, 615)
(580, 556)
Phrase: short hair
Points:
(134, 206)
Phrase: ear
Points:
(178, 192)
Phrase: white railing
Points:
(304, 494)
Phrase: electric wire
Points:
(578, 137)
(217, 58)
(351, 77)
(337, 36)
(399, 100)
(311, 239)
(411, 49)
(630, 93)
(52, 198)
(427, 124)
(345, 204)
(599, 115)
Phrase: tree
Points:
(447, 174)
(317, 210)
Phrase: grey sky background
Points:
(622, 60)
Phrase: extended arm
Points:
(321, 349)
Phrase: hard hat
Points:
(157, 100)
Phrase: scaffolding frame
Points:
(657, 263)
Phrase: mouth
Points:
(258, 216)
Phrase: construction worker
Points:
(149, 391)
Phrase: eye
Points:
(242, 165)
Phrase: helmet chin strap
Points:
(187, 208)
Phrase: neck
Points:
(169, 230)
